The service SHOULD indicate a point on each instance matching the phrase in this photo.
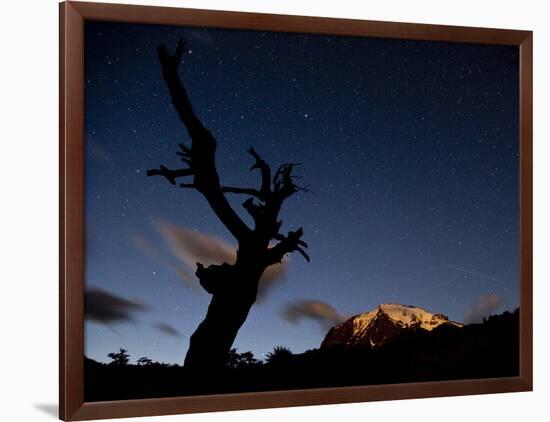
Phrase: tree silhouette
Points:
(241, 360)
(280, 355)
(120, 358)
(144, 361)
(233, 286)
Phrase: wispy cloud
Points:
(108, 308)
(484, 306)
(189, 247)
(315, 310)
(168, 329)
(96, 150)
(200, 35)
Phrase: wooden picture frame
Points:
(71, 266)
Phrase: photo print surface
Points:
(274, 211)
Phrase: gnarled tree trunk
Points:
(210, 343)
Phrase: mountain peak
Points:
(384, 323)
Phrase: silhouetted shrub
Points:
(121, 358)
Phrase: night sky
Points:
(410, 148)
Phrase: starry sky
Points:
(410, 148)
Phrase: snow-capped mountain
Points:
(384, 323)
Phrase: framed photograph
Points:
(267, 210)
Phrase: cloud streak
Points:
(107, 308)
(198, 35)
(315, 310)
(188, 247)
(95, 150)
(168, 329)
(484, 306)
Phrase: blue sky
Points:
(410, 147)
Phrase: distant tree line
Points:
(279, 355)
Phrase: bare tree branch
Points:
(201, 156)
(170, 64)
(185, 154)
(265, 171)
(254, 209)
(170, 175)
(244, 191)
(229, 189)
(283, 182)
(188, 185)
(290, 243)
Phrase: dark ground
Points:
(486, 350)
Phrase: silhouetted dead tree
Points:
(233, 286)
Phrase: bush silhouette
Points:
(120, 358)
(144, 361)
(241, 360)
(280, 355)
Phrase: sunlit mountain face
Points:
(383, 324)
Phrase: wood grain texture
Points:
(526, 209)
(71, 207)
(71, 204)
(292, 23)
